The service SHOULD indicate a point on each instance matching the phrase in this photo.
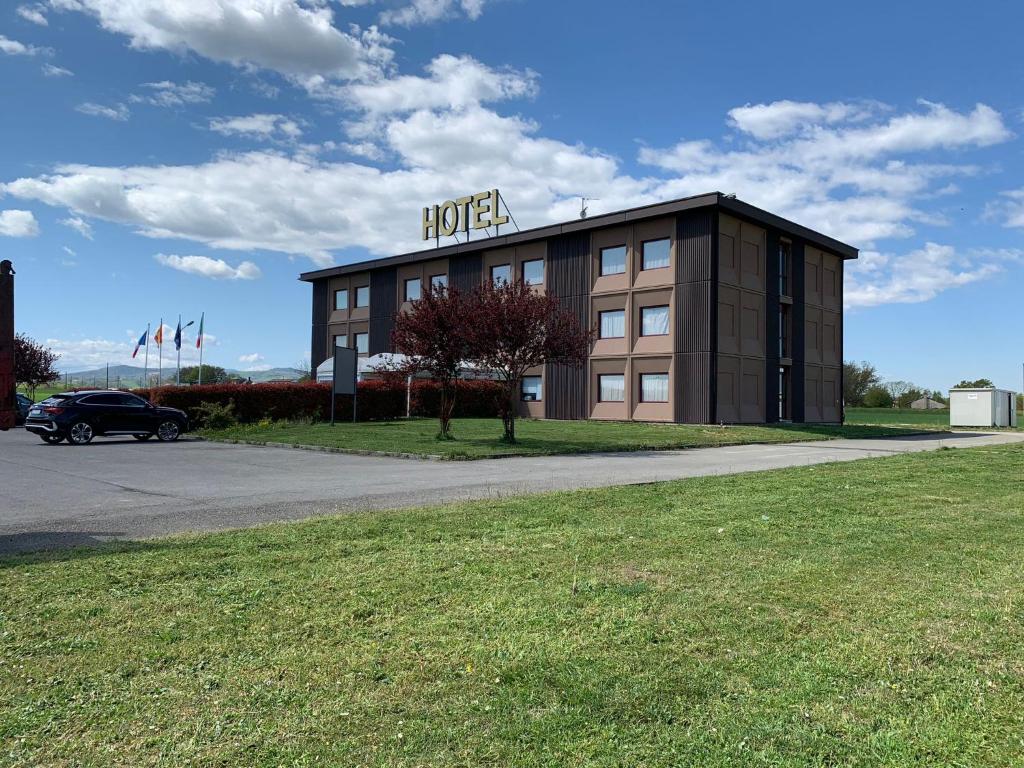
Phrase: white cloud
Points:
(258, 126)
(771, 121)
(15, 223)
(204, 266)
(68, 251)
(429, 11)
(254, 358)
(168, 94)
(80, 225)
(877, 278)
(14, 48)
(33, 13)
(117, 112)
(294, 37)
(1009, 208)
(87, 353)
(50, 70)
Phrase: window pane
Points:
(501, 273)
(613, 260)
(611, 388)
(412, 289)
(341, 299)
(530, 389)
(613, 324)
(341, 340)
(654, 321)
(654, 387)
(363, 296)
(656, 254)
(439, 281)
(362, 343)
(533, 272)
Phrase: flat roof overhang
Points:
(728, 204)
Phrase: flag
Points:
(199, 338)
(139, 343)
(158, 337)
(177, 333)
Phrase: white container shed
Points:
(986, 407)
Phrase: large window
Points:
(438, 281)
(341, 299)
(653, 387)
(783, 394)
(784, 330)
(656, 254)
(533, 272)
(363, 296)
(654, 321)
(501, 273)
(611, 388)
(530, 389)
(612, 324)
(613, 260)
(413, 289)
(785, 268)
(362, 343)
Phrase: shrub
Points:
(474, 399)
(216, 415)
(877, 397)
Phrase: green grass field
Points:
(479, 438)
(858, 614)
(902, 416)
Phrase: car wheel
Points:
(51, 439)
(142, 437)
(80, 433)
(168, 431)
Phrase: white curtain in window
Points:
(531, 388)
(612, 388)
(655, 321)
(613, 260)
(654, 387)
(656, 254)
(613, 324)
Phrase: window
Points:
(653, 387)
(341, 340)
(656, 254)
(363, 296)
(362, 343)
(785, 261)
(783, 330)
(611, 388)
(501, 273)
(612, 324)
(783, 394)
(529, 389)
(341, 299)
(533, 272)
(613, 260)
(438, 281)
(132, 401)
(412, 289)
(108, 399)
(654, 321)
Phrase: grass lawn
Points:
(906, 417)
(479, 438)
(866, 613)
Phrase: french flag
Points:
(142, 340)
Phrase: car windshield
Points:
(54, 400)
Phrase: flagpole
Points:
(160, 349)
(145, 370)
(177, 343)
(202, 318)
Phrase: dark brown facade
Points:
(707, 310)
(7, 383)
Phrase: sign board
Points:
(477, 211)
(345, 369)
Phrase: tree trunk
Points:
(508, 415)
(447, 408)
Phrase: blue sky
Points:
(167, 156)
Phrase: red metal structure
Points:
(7, 385)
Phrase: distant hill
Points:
(131, 375)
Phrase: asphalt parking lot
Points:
(61, 496)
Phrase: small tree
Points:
(33, 363)
(877, 397)
(858, 378)
(515, 328)
(977, 384)
(432, 334)
(212, 374)
(897, 390)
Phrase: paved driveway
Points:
(59, 496)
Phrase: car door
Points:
(105, 412)
(137, 413)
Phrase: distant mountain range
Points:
(131, 375)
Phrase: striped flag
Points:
(158, 337)
(199, 338)
(140, 342)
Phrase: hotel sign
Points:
(477, 211)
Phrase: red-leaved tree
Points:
(433, 336)
(33, 363)
(515, 328)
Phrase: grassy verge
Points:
(479, 438)
(905, 417)
(866, 613)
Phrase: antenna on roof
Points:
(583, 205)
(730, 196)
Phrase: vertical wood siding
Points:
(383, 305)
(771, 378)
(318, 351)
(568, 278)
(799, 335)
(696, 298)
(464, 272)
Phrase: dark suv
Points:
(78, 417)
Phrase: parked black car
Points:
(78, 417)
(22, 404)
